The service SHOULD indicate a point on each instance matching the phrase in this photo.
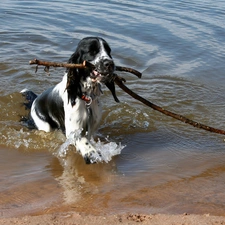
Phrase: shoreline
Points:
(69, 217)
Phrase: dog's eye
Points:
(93, 49)
(93, 52)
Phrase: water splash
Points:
(106, 148)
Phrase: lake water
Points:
(167, 166)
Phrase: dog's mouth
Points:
(97, 76)
(103, 71)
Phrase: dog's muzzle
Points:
(103, 71)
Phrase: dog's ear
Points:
(73, 78)
(76, 57)
(111, 86)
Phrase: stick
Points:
(119, 82)
(126, 69)
(55, 64)
(80, 66)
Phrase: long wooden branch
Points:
(56, 64)
(120, 83)
(80, 66)
(126, 69)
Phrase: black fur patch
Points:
(29, 99)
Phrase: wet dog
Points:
(75, 105)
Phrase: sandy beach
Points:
(69, 218)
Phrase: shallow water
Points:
(166, 166)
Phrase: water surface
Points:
(167, 166)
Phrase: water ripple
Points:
(177, 45)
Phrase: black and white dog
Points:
(74, 105)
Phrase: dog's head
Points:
(96, 51)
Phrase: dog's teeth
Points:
(96, 73)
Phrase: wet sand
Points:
(68, 218)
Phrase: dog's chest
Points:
(90, 88)
(85, 114)
(92, 91)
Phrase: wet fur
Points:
(62, 107)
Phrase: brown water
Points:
(166, 166)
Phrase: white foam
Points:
(107, 149)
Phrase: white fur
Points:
(80, 115)
(41, 125)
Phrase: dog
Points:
(74, 103)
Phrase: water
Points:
(166, 166)
(107, 149)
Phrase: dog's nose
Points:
(108, 64)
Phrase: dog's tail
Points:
(30, 96)
(29, 99)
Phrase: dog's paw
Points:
(89, 153)
(92, 157)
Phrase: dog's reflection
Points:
(78, 179)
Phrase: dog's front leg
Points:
(76, 120)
